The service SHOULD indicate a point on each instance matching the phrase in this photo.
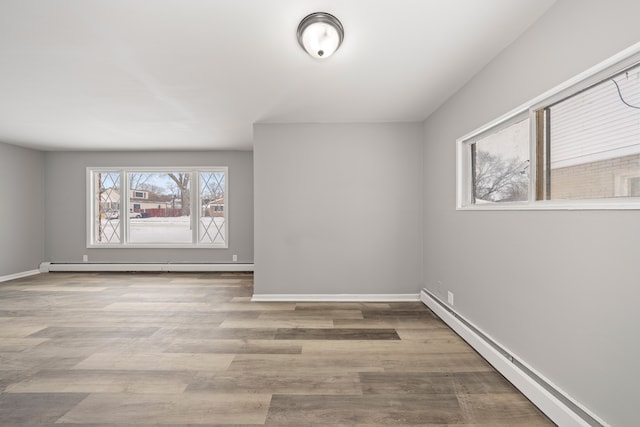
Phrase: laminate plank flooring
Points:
(175, 350)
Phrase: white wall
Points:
(66, 206)
(21, 209)
(338, 208)
(558, 288)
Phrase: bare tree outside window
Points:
(497, 179)
(138, 181)
(181, 179)
(500, 165)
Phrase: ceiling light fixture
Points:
(320, 34)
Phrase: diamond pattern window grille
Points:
(164, 214)
(212, 202)
(108, 212)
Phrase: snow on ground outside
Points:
(173, 230)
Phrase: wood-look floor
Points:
(192, 349)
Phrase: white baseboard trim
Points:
(556, 404)
(19, 275)
(335, 297)
(151, 267)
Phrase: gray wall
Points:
(558, 288)
(22, 209)
(338, 208)
(66, 206)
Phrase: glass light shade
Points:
(320, 34)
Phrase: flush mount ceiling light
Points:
(320, 34)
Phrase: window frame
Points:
(627, 58)
(464, 173)
(126, 204)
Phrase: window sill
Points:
(155, 246)
(560, 205)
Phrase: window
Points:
(500, 165)
(591, 141)
(211, 200)
(105, 195)
(576, 147)
(168, 207)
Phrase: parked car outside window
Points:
(115, 215)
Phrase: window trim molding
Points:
(125, 204)
(582, 81)
(463, 158)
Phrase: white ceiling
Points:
(197, 74)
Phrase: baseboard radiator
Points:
(46, 267)
(556, 404)
(335, 297)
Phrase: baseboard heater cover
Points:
(556, 404)
(335, 297)
(46, 267)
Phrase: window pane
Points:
(593, 141)
(159, 207)
(500, 165)
(107, 209)
(212, 208)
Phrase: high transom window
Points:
(590, 141)
(577, 147)
(500, 165)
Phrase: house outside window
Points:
(575, 147)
